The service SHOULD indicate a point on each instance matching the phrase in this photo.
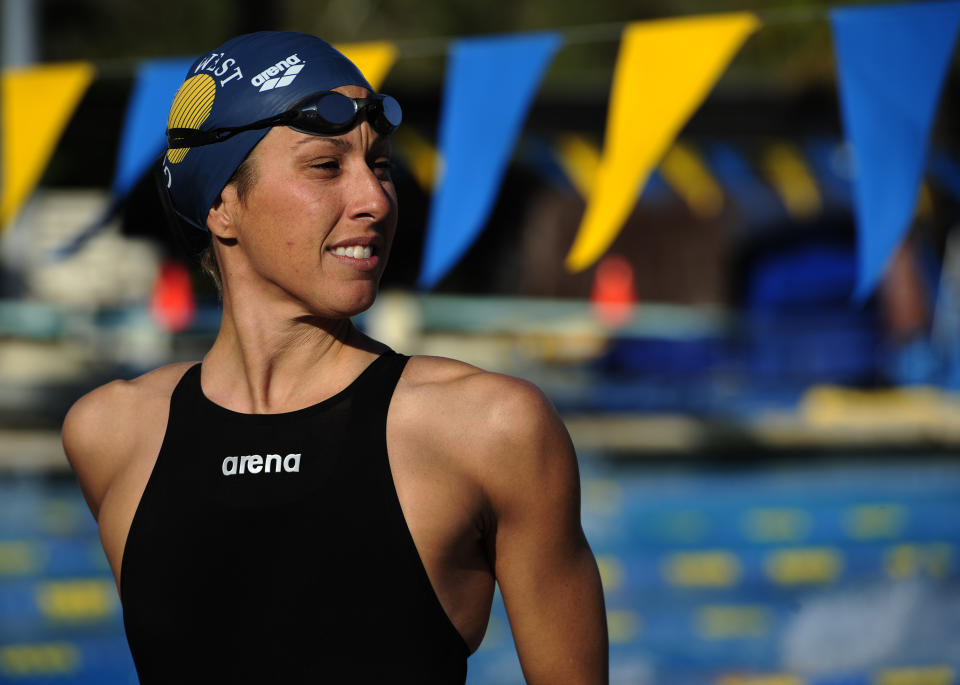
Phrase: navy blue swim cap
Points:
(248, 78)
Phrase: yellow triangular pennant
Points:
(35, 105)
(787, 172)
(374, 59)
(419, 154)
(687, 174)
(664, 71)
(580, 160)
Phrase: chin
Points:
(353, 304)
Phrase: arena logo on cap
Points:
(279, 75)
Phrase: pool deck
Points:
(647, 435)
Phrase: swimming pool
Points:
(820, 570)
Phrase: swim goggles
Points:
(323, 114)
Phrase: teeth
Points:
(355, 251)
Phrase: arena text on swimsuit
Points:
(254, 463)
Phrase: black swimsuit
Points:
(272, 548)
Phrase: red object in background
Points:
(172, 303)
(614, 291)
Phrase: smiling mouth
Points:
(354, 251)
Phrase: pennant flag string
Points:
(374, 58)
(674, 63)
(612, 31)
(124, 67)
(891, 65)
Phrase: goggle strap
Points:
(192, 137)
(178, 138)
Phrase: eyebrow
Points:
(379, 146)
(337, 142)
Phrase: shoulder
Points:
(446, 389)
(501, 429)
(111, 404)
(105, 427)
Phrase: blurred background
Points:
(770, 474)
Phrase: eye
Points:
(383, 167)
(329, 165)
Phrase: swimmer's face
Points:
(316, 227)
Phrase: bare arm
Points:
(111, 437)
(107, 427)
(92, 442)
(546, 571)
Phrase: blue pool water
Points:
(831, 572)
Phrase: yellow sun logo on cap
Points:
(191, 107)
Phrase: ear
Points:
(222, 217)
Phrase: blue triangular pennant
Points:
(143, 139)
(891, 64)
(490, 84)
(757, 202)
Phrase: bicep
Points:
(556, 611)
(546, 571)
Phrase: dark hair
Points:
(244, 177)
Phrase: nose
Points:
(372, 198)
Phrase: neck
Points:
(273, 357)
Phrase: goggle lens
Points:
(391, 110)
(334, 112)
(334, 108)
